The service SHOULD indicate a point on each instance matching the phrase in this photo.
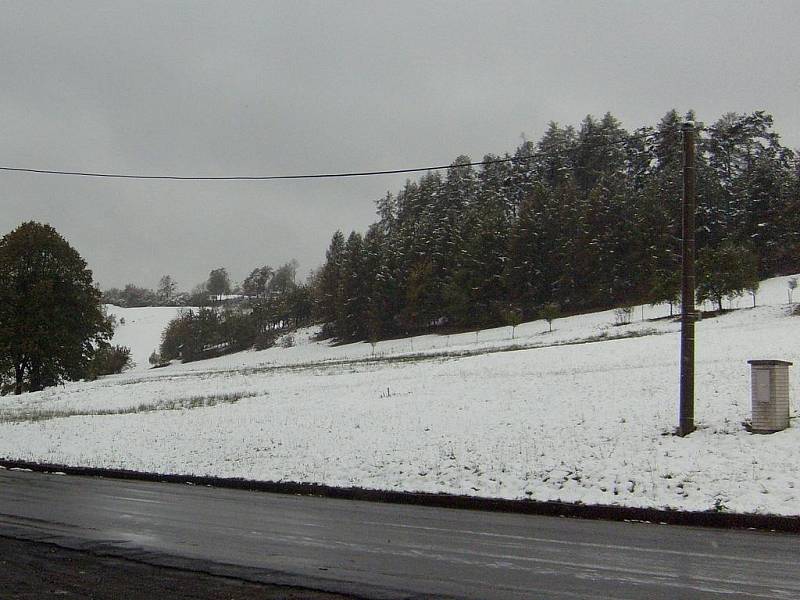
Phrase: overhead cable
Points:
(505, 159)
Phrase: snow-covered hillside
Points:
(583, 413)
(140, 330)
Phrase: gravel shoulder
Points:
(33, 570)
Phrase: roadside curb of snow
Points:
(788, 524)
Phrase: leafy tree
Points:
(166, 290)
(299, 304)
(174, 337)
(666, 287)
(51, 319)
(219, 282)
(131, 296)
(112, 296)
(273, 308)
(550, 312)
(283, 281)
(255, 284)
(513, 317)
(6, 376)
(134, 296)
(235, 331)
(191, 334)
(727, 271)
(198, 296)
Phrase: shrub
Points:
(109, 360)
(156, 360)
(326, 332)
(264, 340)
(623, 315)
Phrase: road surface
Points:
(41, 571)
(395, 551)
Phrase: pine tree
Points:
(753, 171)
(555, 156)
(586, 219)
(352, 312)
(523, 270)
(328, 296)
(600, 153)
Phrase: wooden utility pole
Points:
(686, 416)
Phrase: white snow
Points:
(571, 415)
(141, 330)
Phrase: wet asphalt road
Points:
(395, 551)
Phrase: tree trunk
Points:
(36, 377)
(19, 373)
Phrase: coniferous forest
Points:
(588, 217)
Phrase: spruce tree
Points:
(328, 300)
(354, 301)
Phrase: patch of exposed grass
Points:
(187, 403)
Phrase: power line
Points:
(346, 174)
(257, 177)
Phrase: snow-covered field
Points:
(140, 330)
(583, 413)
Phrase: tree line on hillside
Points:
(586, 218)
(166, 294)
(217, 285)
(222, 317)
(217, 288)
(270, 302)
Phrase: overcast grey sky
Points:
(238, 88)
